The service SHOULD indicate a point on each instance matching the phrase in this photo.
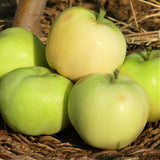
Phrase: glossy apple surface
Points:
(20, 48)
(147, 73)
(108, 114)
(33, 100)
(81, 42)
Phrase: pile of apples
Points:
(82, 77)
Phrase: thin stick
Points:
(1, 26)
(155, 1)
(134, 15)
(115, 20)
(146, 17)
(141, 34)
(150, 3)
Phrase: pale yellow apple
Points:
(78, 44)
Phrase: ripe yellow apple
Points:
(82, 42)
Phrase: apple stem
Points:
(114, 76)
(101, 15)
(116, 73)
(148, 50)
(146, 55)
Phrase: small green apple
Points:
(34, 100)
(144, 67)
(20, 48)
(107, 112)
(82, 42)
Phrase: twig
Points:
(141, 38)
(1, 26)
(141, 34)
(146, 17)
(155, 1)
(1, 21)
(150, 16)
(5, 20)
(134, 15)
(150, 3)
(115, 20)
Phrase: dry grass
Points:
(133, 29)
(142, 26)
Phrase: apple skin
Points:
(20, 48)
(147, 74)
(78, 45)
(34, 100)
(108, 115)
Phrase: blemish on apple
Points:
(121, 97)
(67, 17)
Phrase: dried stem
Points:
(150, 3)
(28, 15)
(134, 15)
(140, 34)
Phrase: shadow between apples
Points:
(39, 58)
(67, 134)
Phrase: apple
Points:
(108, 112)
(34, 100)
(81, 42)
(20, 48)
(144, 67)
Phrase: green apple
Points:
(34, 100)
(82, 42)
(144, 67)
(20, 48)
(107, 112)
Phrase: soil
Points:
(139, 20)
